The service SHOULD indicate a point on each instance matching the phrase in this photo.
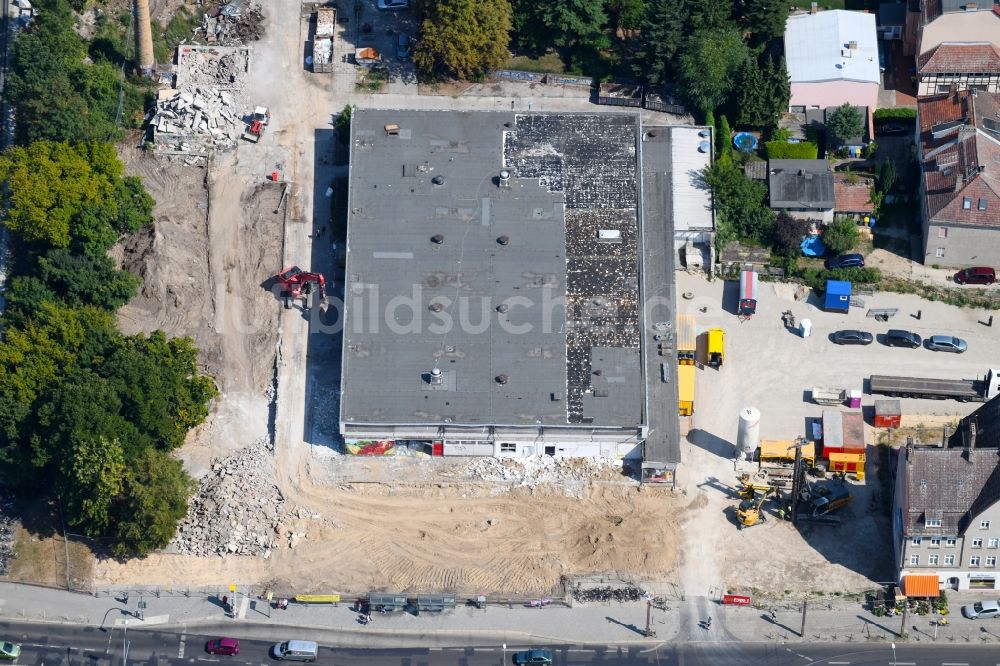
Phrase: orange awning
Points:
(921, 586)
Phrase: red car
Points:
(223, 646)
(977, 275)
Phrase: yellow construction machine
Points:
(749, 513)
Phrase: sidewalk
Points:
(833, 620)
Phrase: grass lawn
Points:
(548, 63)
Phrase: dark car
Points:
(845, 261)
(899, 338)
(977, 275)
(532, 657)
(889, 129)
(852, 338)
(403, 47)
(223, 646)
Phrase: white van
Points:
(295, 651)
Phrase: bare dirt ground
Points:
(459, 535)
(215, 241)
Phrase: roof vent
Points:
(503, 307)
(436, 376)
(437, 239)
(438, 180)
(705, 133)
(435, 307)
(504, 178)
(704, 146)
(503, 240)
(501, 379)
(852, 45)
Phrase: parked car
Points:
(392, 5)
(845, 261)
(295, 651)
(977, 275)
(981, 610)
(852, 338)
(895, 337)
(946, 343)
(889, 129)
(533, 657)
(223, 646)
(9, 650)
(403, 47)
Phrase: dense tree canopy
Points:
(708, 65)
(660, 37)
(463, 38)
(740, 203)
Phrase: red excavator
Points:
(299, 284)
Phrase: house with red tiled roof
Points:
(960, 178)
(852, 194)
(958, 42)
(962, 66)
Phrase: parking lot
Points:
(773, 369)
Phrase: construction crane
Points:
(300, 284)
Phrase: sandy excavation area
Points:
(470, 537)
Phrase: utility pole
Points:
(802, 632)
(649, 620)
(125, 645)
(902, 626)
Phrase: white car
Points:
(981, 610)
(392, 5)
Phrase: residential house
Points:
(802, 188)
(959, 66)
(832, 58)
(960, 181)
(957, 43)
(891, 20)
(817, 119)
(946, 519)
(980, 429)
(852, 196)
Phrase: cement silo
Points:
(748, 436)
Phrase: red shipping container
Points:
(888, 414)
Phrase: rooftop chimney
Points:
(436, 377)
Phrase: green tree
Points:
(841, 236)
(49, 184)
(762, 20)
(92, 477)
(660, 36)
(787, 234)
(708, 64)
(560, 23)
(846, 122)
(762, 95)
(463, 38)
(724, 139)
(154, 499)
(627, 14)
(740, 204)
(343, 125)
(86, 280)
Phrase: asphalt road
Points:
(73, 645)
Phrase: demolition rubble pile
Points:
(536, 470)
(236, 22)
(238, 510)
(208, 107)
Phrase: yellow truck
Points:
(685, 390)
(687, 341)
(715, 347)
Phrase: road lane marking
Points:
(802, 656)
(838, 663)
(954, 663)
(581, 650)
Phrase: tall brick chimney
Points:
(145, 64)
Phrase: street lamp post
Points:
(504, 655)
(893, 646)
(125, 645)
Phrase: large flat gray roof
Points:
(427, 211)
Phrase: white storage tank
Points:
(748, 436)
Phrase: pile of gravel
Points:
(536, 470)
